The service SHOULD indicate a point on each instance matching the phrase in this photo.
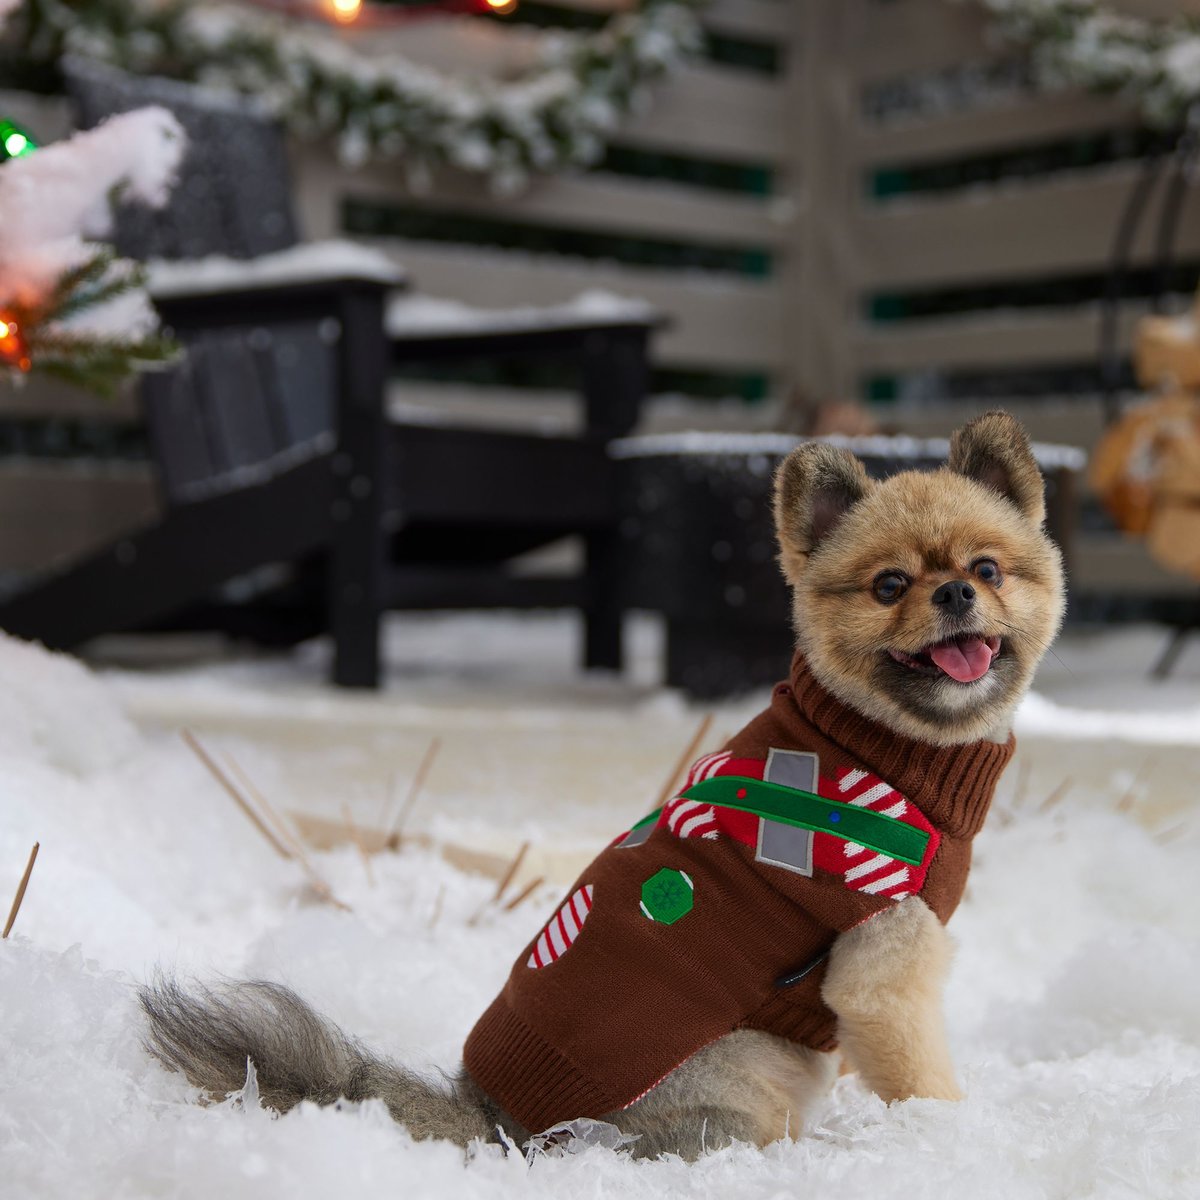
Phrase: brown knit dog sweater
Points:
(677, 933)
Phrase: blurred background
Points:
(622, 255)
(389, 399)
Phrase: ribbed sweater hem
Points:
(546, 1085)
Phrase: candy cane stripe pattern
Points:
(687, 818)
(706, 767)
(862, 869)
(562, 929)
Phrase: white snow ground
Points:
(1074, 1005)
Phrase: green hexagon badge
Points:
(668, 895)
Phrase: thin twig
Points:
(287, 835)
(507, 878)
(1024, 770)
(511, 872)
(525, 893)
(1129, 799)
(318, 884)
(291, 838)
(16, 904)
(1056, 795)
(393, 828)
(1163, 836)
(357, 838)
(437, 906)
(237, 797)
(685, 760)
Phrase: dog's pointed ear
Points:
(994, 450)
(815, 486)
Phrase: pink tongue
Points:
(964, 660)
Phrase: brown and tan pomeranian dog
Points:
(692, 986)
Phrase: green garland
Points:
(1081, 43)
(560, 114)
(40, 338)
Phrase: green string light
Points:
(14, 142)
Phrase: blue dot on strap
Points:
(835, 817)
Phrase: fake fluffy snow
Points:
(57, 198)
(1073, 1001)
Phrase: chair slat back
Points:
(248, 400)
(233, 194)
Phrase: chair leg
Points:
(1171, 653)
(355, 625)
(357, 566)
(602, 606)
(356, 601)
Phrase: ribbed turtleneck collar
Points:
(952, 785)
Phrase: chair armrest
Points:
(303, 281)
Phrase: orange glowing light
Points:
(346, 10)
(13, 350)
(502, 6)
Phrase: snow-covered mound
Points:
(1072, 1006)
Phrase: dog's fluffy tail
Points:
(298, 1055)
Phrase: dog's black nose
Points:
(957, 595)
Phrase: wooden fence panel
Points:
(600, 203)
(1058, 226)
(908, 37)
(718, 322)
(830, 246)
(1010, 124)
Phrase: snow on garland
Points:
(557, 115)
(68, 306)
(1082, 43)
(560, 113)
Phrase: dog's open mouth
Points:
(964, 659)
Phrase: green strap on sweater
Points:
(806, 810)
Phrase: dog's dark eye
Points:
(890, 586)
(987, 570)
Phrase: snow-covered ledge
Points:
(413, 314)
(1049, 455)
(314, 262)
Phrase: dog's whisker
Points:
(1045, 646)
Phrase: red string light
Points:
(14, 350)
(380, 16)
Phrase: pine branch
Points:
(91, 270)
(100, 278)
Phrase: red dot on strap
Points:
(741, 793)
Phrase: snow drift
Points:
(1073, 1003)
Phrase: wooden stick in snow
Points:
(525, 893)
(510, 874)
(393, 828)
(1056, 795)
(1023, 772)
(357, 839)
(16, 904)
(323, 890)
(287, 835)
(437, 906)
(1129, 799)
(685, 760)
(236, 796)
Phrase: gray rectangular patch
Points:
(784, 845)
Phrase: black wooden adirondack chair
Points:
(281, 477)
